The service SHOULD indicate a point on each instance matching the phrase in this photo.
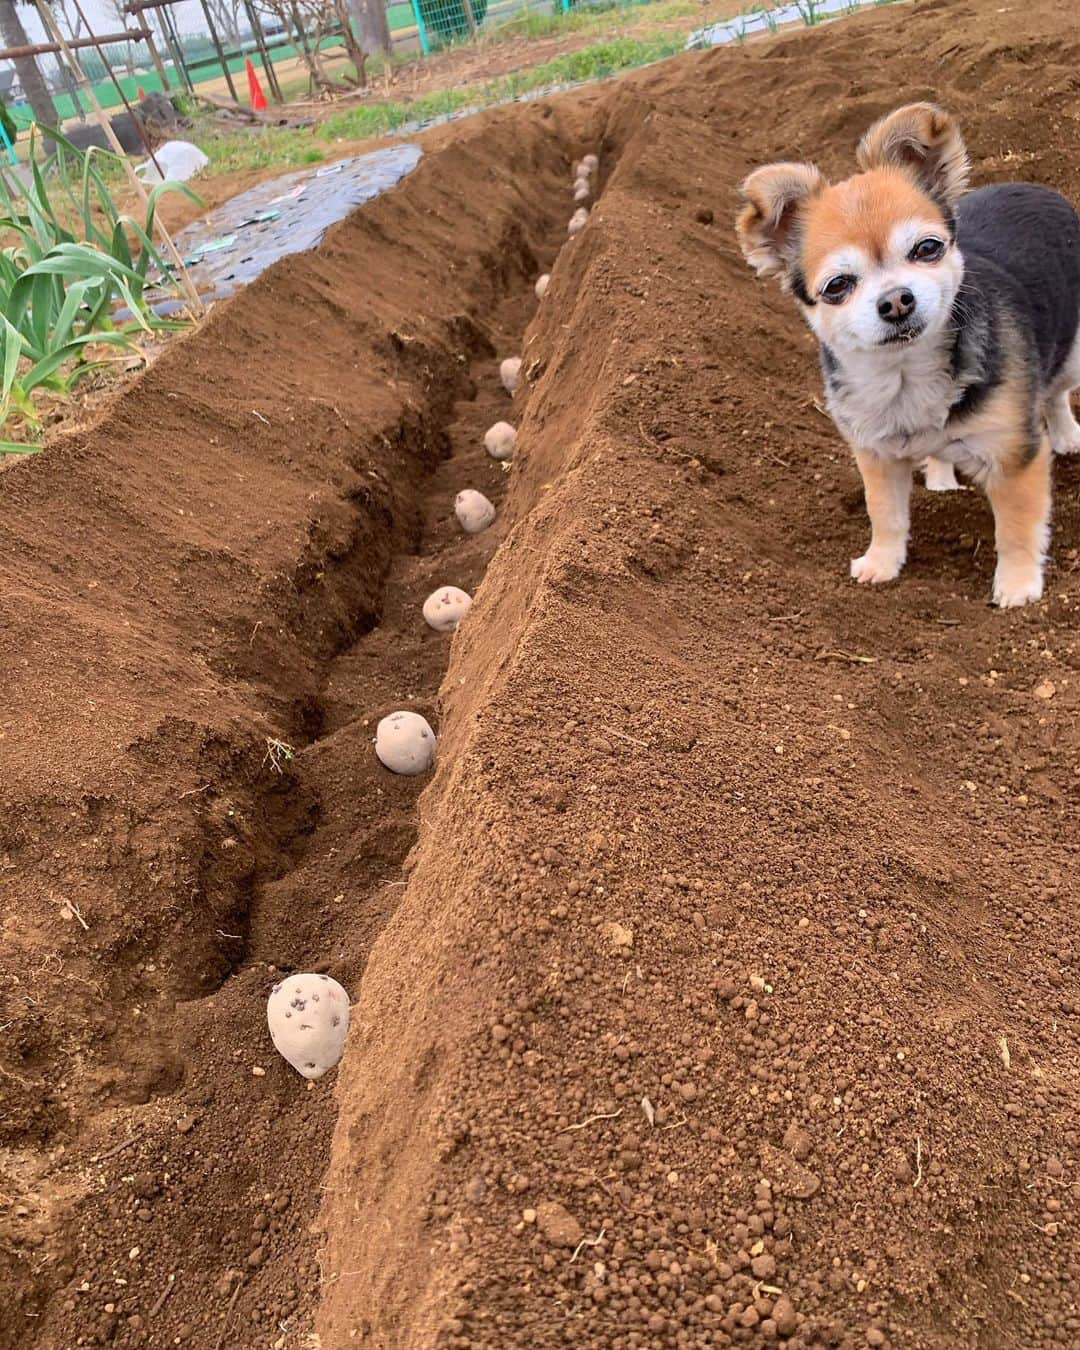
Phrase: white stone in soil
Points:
(542, 284)
(445, 608)
(473, 510)
(577, 221)
(582, 169)
(499, 440)
(591, 163)
(405, 743)
(582, 193)
(308, 1017)
(510, 373)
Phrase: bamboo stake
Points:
(136, 182)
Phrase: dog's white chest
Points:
(896, 403)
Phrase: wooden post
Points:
(155, 56)
(102, 119)
(264, 55)
(218, 48)
(172, 41)
(470, 18)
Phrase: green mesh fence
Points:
(445, 20)
(433, 24)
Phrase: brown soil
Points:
(721, 985)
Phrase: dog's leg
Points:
(940, 475)
(1062, 425)
(887, 485)
(1021, 501)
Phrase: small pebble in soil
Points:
(577, 221)
(499, 440)
(510, 373)
(542, 284)
(591, 162)
(582, 193)
(405, 743)
(558, 1225)
(473, 510)
(308, 1017)
(445, 608)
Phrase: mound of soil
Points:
(720, 988)
(741, 947)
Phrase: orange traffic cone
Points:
(258, 98)
(141, 91)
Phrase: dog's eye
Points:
(837, 289)
(927, 250)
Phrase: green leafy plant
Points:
(73, 259)
(809, 12)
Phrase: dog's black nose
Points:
(896, 304)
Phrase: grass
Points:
(290, 149)
(237, 151)
(587, 63)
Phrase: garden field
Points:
(719, 986)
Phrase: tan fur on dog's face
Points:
(842, 248)
(864, 234)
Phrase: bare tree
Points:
(26, 67)
(309, 21)
(226, 17)
(372, 29)
(357, 49)
(115, 10)
(68, 17)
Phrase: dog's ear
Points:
(765, 226)
(925, 140)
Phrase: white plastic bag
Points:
(179, 160)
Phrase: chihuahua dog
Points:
(948, 325)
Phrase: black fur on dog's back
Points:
(1029, 238)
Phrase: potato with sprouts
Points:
(445, 608)
(510, 373)
(499, 440)
(308, 1018)
(405, 743)
(473, 510)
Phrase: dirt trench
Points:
(232, 565)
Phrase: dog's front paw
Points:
(877, 565)
(1066, 440)
(1015, 586)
